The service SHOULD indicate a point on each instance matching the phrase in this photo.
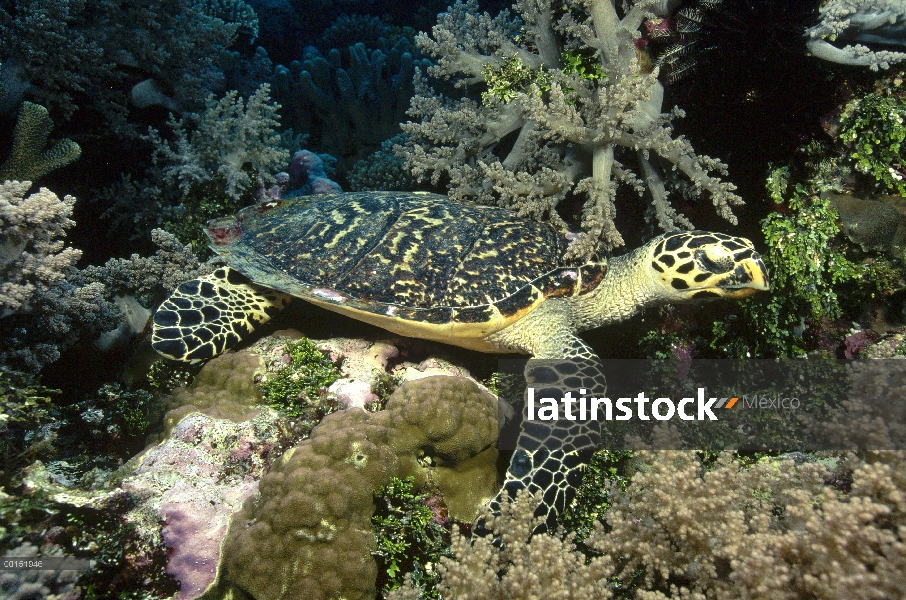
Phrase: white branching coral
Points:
(33, 256)
(233, 138)
(679, 529)
(521, 566)
(566, 104)
(869, 21)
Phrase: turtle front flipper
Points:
(550, 455)
(208, 316)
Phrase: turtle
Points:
(479, 277)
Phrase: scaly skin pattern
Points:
(523, 307)
(674, 268)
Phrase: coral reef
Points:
(72, 54)
(308, 174)
(199, 473)
(233, 138)
(195, 479)
(773, 528)
(12, 88)
(65, 314)
(280, 25)
(29, 158)
(680, 529)
(514, 563)
(148, 276)
(216, 158)
(233, 11)
(33, 256)
(25, 408)
(349, 101)
(224, 389)
(370, 369)
(865, 420)
(369, 30)
(870, 21)
(46, 304)
(122, 560)
(565, 101)
(872, 224)
(42, 312)
(382, 170)
(309, 534)
(53, 445)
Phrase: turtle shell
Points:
(409, 256)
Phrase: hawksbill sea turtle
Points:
(420, 265)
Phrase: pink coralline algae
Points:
(657, 27)
(201, 474)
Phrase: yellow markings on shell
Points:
(340, 219)
(392, 245)
(465, 335)
(412, 252)
(485, 254)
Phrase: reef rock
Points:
(875, 225)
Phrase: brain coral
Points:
(308, 533)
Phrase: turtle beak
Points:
(749, 276)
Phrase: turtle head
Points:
(700, 265)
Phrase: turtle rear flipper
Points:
(207, 316)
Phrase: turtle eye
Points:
(714, 259)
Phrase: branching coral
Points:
(29, 160)
(33, 256)
(562, 131)
(381, 170)
(75, 54)
(232, 138)
(772, 529)
(870, 21)
(147, 276)
(215, 159)
(232, 11)
(525, 566)
(351, 106)
(46, 304)
(44, 39)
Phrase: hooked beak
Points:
(749, 276)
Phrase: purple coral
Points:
(306, 170)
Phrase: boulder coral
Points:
(308, 532)
(224, 389)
